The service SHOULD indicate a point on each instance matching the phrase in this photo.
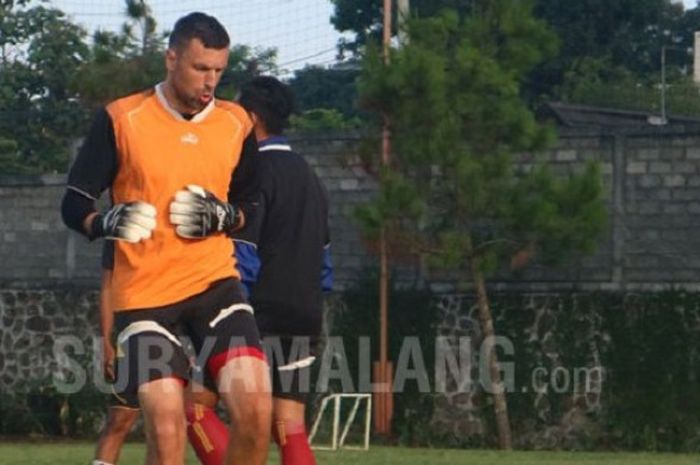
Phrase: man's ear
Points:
(170, 59)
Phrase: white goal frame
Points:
(338, 438)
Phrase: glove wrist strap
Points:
(96, 228)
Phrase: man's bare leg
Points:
(244, 387)
(120, 420)
(163, 409)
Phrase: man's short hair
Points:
(198, 26)
(270, 99)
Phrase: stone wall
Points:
(556, 393)
(33, 321)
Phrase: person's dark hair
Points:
(270, 99)
(198, 26)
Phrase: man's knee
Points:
(259, 406)
(163, 403)
(168, 423)
(252, 413)
(254, 424)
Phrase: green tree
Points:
(627, 34)
(331, 88)
(364, 17)
(41, 51)
(125, 62)
(600, 82)
(9, 159)
(322, 119)
(454, 191)
(122, 63)
(244, 63)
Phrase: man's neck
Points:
(175, 103)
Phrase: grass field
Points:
(74, 453)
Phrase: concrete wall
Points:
(652, 181)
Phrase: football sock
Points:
(293, 444)
(207, 434)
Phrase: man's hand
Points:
(130, 222)
(197, 213)
(108, 360)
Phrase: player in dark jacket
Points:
(283, 258)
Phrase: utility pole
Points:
(383, 369)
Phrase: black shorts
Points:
(219, 322)
(290, 359)
(122, 399)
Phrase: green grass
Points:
(79, 453)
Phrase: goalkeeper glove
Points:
(129, 222)
(197, 213)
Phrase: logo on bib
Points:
(189, 138)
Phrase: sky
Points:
(299, 29)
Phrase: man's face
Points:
(193, 73)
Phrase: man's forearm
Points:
(87, 223)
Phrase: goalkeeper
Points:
(181, 167)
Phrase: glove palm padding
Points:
(197, 213)
(129, 222)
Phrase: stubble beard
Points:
(191, 104)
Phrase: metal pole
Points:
(382, 369)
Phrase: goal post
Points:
(338, 436)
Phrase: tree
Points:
(40, 114)
(121, 63)
(322, 119)
(126, 62)
(330, 88)
(626, 33)
(364, 18)
(600, 82)
(244, 63)
(454, 192)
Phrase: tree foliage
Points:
(52, 77)
(628, 34)
(322, 119)
(453, 191)
(244, 63)
(317, 87)
(125, 62)
(364, 17)
(39, 113)
(457, 120)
